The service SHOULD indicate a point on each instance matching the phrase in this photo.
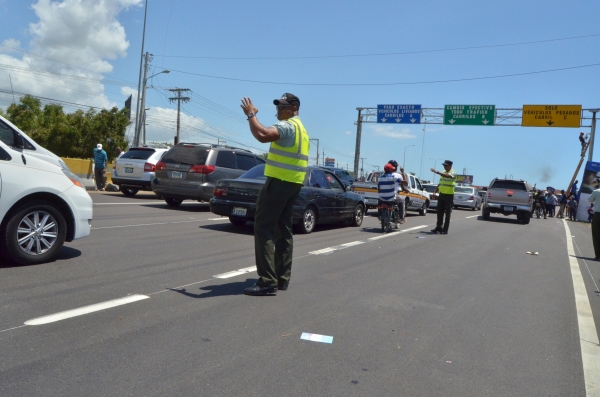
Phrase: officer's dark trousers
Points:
(273, 240)
(444, 206)
(596, 233)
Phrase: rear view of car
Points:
(135, 169)
(191, 170)
(467, 197)
(433, 197)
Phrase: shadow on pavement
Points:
(146, 196)
(508, 219)
(65, 253)
(200, 207)
(209, 291)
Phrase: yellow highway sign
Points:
(551, 116)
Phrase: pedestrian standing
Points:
(446, 197)
(572, 208)
(100, 160)
(595, 198)
(563, 204)
(286, 167)
(552, 200)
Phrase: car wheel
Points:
(35, 233)
(423, 210)
(526, 218)
(237, 221)
(474, 207)
(357, 217)
(308, 221)
(128, 192)
(486, 214)
(173, 202)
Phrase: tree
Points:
(70, 135)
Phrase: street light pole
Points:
(592, 134)
(404, 159)
(143, 106)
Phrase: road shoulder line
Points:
(588, 335)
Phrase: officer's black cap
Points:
(447, 162)
(288, 99)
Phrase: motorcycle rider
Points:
(403, 184)
(541, 199)
(388, 185)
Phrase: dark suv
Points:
(190, 170)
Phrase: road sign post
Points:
(551, 116)
(399, 114)
(470, 115)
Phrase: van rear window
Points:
(138, 154)
(186, 155)
(510, 185)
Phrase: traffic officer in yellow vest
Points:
(446, 196)
(287, 164)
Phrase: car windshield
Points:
(257, 172)
(463, 190)
(138, 154)
(186, 155)
(344, 175)
(430, 188)
(508, 185)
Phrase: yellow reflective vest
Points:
(290, 164)
(446, 185)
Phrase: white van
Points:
(42, 205)
(16, 139)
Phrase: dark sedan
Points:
(323, 199)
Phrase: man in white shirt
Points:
(595, 199)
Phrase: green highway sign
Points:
(469, 114)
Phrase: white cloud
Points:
(162, 126)
(10, 46)
(71, 38)
(391, 132)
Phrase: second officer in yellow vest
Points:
(446, 197)
(287, 164)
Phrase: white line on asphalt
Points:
(85, 310)
(10, 329)
(472, 216)
(588, 337)
(217, 219)
(143, 224)
(140, 203)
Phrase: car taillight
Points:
(510, 192)
(161, 166)
(220, 192)
(472, 198)
(148, 167)
(202, 169)
(489, 194)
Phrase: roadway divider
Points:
(84, 169)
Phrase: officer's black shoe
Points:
(436, 230)
(443, 232)
(257, 290)
(283, 287)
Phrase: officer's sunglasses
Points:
(281, 107)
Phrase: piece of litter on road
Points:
(448, 362)
(528, 252)
(420, 237)
(316, 337)
(532, 253)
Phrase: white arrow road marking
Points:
(85, 310)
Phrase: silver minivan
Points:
(135, 169)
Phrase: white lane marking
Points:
(236, 272)
(143, 224)
(142, 203)
(472, 216)
(323, 251)
(217, 219)
(352, 244)
(396, 233)
(85, 310)
(588, 337)
(10, 329)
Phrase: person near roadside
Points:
(100, 160)
(595, 198)
(445, 197)
(572, 208)
(590, 211)
(552, 201)
(402, 187)
(582, 141)
(285, 169)
(563, 204)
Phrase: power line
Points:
(383, 54)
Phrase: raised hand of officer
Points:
(248, 107)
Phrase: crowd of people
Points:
(548, 201)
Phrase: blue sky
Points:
(335, 56)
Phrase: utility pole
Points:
(324, 157)
(140, 110)
(220, 141)
(315, 139)
(362, 171)
(358, 133)
(179, 98)
(137, 103)
(592, 135)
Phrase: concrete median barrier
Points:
(84, 169)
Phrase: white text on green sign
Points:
(469, 114)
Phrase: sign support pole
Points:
(358, 133)
(593, 133)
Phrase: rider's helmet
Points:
(388, 167)
(394, 163)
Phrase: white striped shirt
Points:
(387, 185)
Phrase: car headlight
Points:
(74, 178)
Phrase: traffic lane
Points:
(113, 263)
(403, 315)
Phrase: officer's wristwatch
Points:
(250, 115)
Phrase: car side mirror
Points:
(348, 188)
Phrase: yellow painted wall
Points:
(83, 168)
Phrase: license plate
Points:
(129, 170)
(238, 211)
(177, 174)
(509, 209)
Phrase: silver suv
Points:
(190, 170)
(134, 170)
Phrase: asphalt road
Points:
(411, 313)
